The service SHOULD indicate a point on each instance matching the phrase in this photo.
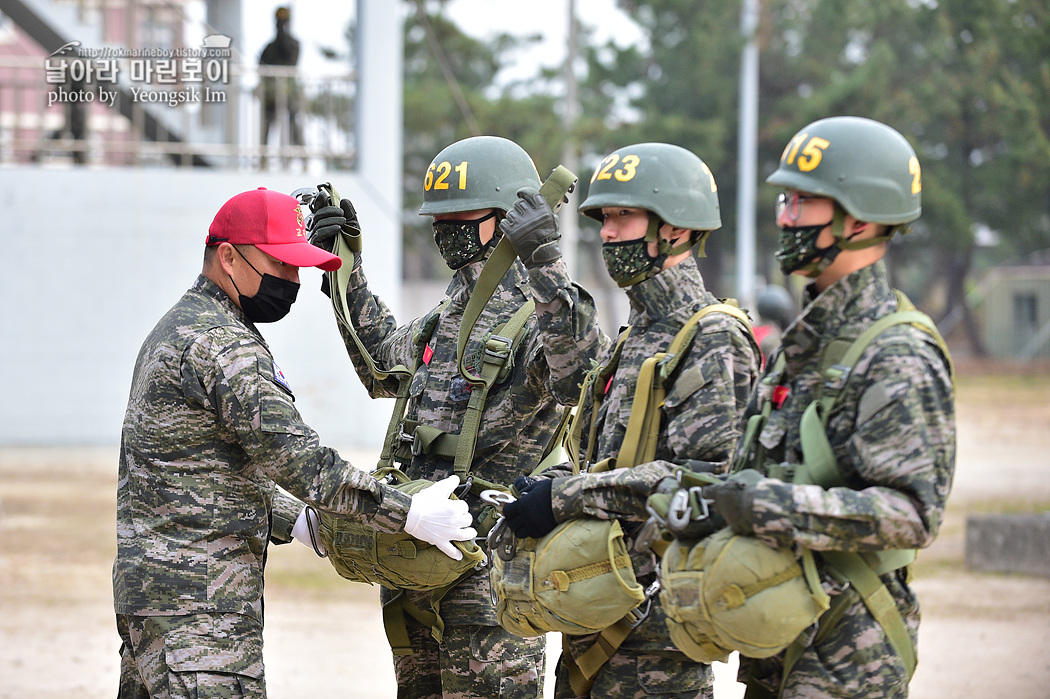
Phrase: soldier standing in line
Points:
(474, 189)
(656, 202)
(848, 185)
(210, 428)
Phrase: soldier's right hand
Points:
(330, 221)
(437, 520)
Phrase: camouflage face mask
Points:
(459, 241)
(628, 262)
(798, 250)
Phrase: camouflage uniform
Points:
(894, 440)
(209, 430)
(699, 429)
(477, 657)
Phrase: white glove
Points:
(435, 519)
(307, 531)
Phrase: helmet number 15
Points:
(438, 173)
(812, 151)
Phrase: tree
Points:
(450, 93)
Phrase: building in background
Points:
(106, 210)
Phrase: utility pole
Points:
(747, 156)
(568, 219)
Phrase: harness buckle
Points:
(836, 376)
(636, 616)
(498, 347)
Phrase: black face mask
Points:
(272, 301)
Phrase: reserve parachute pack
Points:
(396, 560)
(731, 593)
(578, 579)
(726, 592)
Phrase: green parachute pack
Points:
(576, 580)
(396, 560)
(730, 593)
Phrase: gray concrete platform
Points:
(1009, 543)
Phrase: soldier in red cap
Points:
(210, 431)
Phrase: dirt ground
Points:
(982, 636)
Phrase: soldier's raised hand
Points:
(532, 229)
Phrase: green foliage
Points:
(967, 81)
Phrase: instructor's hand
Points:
(437, 520)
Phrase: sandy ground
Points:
(982, 635)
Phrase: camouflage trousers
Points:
(190, 656)
(647, 664)
(471, 662)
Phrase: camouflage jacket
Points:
(700, 422)
(521, 413)
(893, 435)
(209, 430)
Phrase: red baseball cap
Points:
(272, 222)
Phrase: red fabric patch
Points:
(780, 394)
(427, 354)
(608, 385)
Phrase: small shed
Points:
(1015, 310)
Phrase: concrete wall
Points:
(93, 258)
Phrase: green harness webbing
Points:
(820, 467)
(638, 447)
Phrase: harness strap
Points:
(498, 350)
(643, 426)
(584, 669)
(594, 384)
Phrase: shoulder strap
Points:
(643, 426)
(393, 429)
(498, 350)
(819, 465)
(594, 385)
(561, 182)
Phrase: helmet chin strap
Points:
(843, 242)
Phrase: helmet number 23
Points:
(625, 173)
(438, 173)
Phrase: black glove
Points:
(531, 514)
(733, 499)
(329, 221)
(523, 483)
(532, 229)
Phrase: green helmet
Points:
(869, 168)
(482, 172)
(663, 178)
